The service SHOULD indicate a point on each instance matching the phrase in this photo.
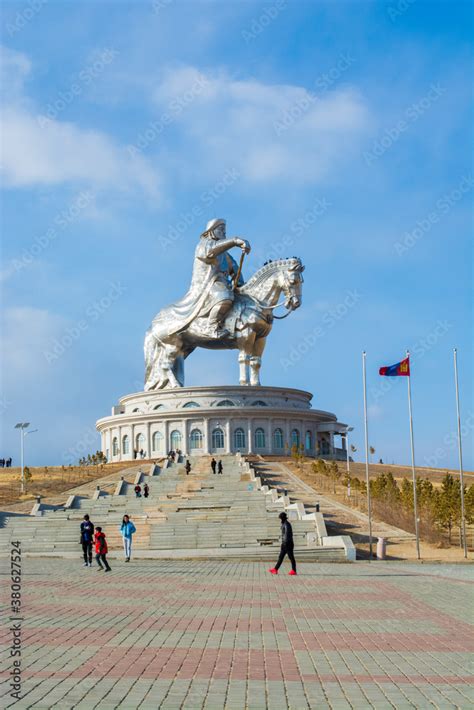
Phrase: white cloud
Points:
(266, 131)
(40, 151)
(14, 68)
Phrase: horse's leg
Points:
(172, 353)
(256, 360)
(152, 360)
(242, 345)
(160, 358)
(243, 367)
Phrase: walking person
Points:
(286, 546)
(101, 549)
(127, 529)
(220, 467)
(87, 538)
(146, 490)
(213, 464)
(187, 467)
(138, 491)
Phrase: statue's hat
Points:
(213, 223)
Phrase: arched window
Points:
(115, 446)
(135, 410)
(239, 439)
(157, 441)
(189, 405)
(259, 403)
(158, 406)
(295, 438)
(139, 442)
(195, 439)
(259, 438)
(278, 439)
(175, 440)
(308, 441)
(125, 444)
(218, 439)
(225, 403)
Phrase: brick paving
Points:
(191, 634)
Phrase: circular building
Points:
(220, 420)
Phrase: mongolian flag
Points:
(401, 369)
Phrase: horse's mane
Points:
(269, 268)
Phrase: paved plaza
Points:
(190, 634)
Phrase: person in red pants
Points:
(101, 549)
(286, 546)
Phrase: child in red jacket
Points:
(101, 549)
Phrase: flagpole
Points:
(415, 506)
(461, 472)
(366, 430)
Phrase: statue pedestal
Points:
(219, 420)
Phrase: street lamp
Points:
(22, 426)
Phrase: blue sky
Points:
(337, 131)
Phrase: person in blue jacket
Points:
(127, 529)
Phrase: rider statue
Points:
(211, 293)
(220, 311)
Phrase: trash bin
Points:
(381, 548)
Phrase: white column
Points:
(227, 437)
(184, 440)
(120, 442)
(167, 436)
(132, 443)
(249, 437)
(207, 437)
(269, 437)
(287, 435)
(148, 440)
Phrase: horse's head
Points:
(292, 283)
(274, 278)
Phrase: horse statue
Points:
(246, 326)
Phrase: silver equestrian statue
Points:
(220, 311)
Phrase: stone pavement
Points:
(226, 634)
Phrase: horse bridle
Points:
(271, 308)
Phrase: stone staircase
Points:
(203, 515)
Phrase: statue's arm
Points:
(225, 245)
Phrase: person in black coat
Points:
(213, 465)
(286, 546)
(220, 468)
(87, 538)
